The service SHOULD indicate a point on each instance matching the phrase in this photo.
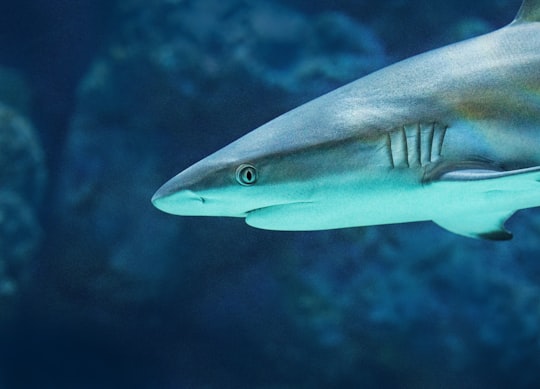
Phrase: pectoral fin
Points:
(531, 174)
(494, 195)
(475, 170)
(484, 226)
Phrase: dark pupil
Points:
(249, 175)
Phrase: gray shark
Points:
(451, 136)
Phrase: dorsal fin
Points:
(529, 12)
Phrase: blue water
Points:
(98, 289)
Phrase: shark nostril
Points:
(190, 195)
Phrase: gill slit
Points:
(405, 146)
(389, 150)
(415, 145)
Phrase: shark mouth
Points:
(283, 217)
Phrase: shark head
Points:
(209, 188)
(271, 176)
(236, 181)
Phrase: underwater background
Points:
(101, 101)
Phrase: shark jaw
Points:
(188, 203)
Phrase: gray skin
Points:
(450, 135)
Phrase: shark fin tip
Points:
(481, 226)
(529, 12)
(500, 235)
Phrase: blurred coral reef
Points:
(22, 178)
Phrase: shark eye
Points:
(246, 174)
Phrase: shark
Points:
(451, 136)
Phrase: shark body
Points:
(451, 135)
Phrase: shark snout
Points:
(175, 197)
(177, 202)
